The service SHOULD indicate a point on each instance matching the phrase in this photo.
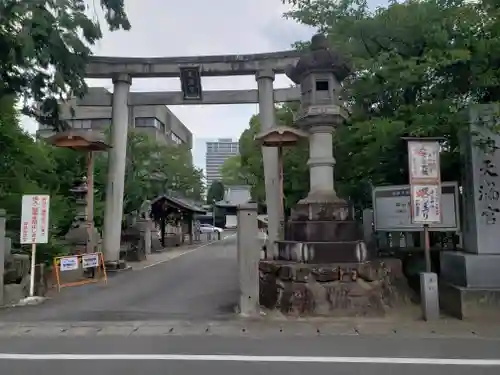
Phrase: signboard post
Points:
(425, 186)
(425, 197)
(34, 227)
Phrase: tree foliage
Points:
(231, 172)
(215, 192)
(31, 166)
(44, 49)
(152, 169)
(296, 181)
(417, 66)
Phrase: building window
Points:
(149, 122)
(101, 123)
(81, 124)
(160, 125)
(175, 138)
(145, 122)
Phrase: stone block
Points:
(321, 206)
(471, 270)
(13, 293)
(479, 304)
(173, 240)
(324, 252)
(353, 289)
(323, 231)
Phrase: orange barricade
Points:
(92, 261)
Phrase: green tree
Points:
(231, 171)
(30, 166)
(418, 65)
(44, 48)
(151, 169)
(296, 181)
(215, 192)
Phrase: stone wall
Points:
(17, 279)
(342, 289)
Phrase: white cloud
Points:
(197, 27)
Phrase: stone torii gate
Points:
(122, 70)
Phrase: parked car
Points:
(208, 228)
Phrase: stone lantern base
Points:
(341, 289)
(322, 227)
(325, 268)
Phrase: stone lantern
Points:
(281, 136)
(323, 265)
(320, 73)
(83, 235)
(322, 217)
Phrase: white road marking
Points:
(250, 358)
(186, 252)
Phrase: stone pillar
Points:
(321, 160)
(2, 253)
(367, 225)
(267, 119)
(470, 285)
(145, 229)
(116, 168)
(248, 259)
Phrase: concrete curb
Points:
(245, 328)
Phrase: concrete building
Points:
(157, 121)
(217, 153)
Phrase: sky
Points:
(162, 28)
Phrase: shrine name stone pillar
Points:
(470, 287)
(116, 168)
(267, 119)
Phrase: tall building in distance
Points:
(217, 153)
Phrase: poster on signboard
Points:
(392, 209)
(35, 219)
(90, 260)
(426, 203)
(69, 263)
(424, 160)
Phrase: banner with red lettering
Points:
(35, 219)
(425, 181)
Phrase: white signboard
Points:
(426, 204)
(424, 160)
(35, 219)
(90, 260)
(392, 209)
(69, 263)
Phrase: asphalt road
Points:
(193, 355)
(199, 285)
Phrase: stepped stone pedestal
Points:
(324, 267)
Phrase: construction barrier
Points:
(92, 263)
